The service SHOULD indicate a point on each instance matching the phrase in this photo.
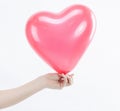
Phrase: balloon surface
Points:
(61, 39)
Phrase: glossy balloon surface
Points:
(61, 39)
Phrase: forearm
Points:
(51, 80)
(14, 96)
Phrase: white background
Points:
(97, 76)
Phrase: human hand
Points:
(57, 81)
(52, 80)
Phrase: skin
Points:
(13, 96)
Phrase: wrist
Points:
(39, 83)
(46, 80)
(43, 82)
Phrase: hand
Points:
(58, 81)
(52, 80)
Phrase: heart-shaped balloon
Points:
(61, 39)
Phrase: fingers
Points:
(65, 80)
(70, 79)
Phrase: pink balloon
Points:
(61, 39)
